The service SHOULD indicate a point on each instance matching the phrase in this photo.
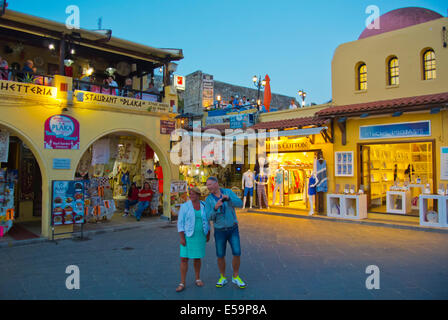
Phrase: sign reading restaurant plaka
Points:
(61, 132)
(115, 102)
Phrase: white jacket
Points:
(186, 219)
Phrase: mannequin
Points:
(278, 179)
(320, 168)
(248, 186)
(262, 181)
(312, 183)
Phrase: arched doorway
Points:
(21, 182)
(110, 166)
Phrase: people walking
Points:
(220, 207)
(194, 230)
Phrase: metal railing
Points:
(26, 77)
(116, 91)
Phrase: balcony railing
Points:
(116, 91)
(25, 77)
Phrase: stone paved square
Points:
(282, 258)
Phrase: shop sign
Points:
(396, 130)
(238, 121)
(61, 164)
(285, 145)
(207, 90)
(167, 126)
(122, 102)
(215, 120)
(29, 89)
(61, 132)
(179, 82)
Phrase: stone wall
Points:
(193, 93)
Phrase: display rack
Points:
(398, 202)
(351, 206)
(417, 157)
(433, 210)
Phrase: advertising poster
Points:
(444, 163)
(67, 202)
(61, 132)
(178, 196)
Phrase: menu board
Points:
(67, 202)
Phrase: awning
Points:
(284, 133)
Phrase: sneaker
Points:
(221, 282)
(240, 283)
(125, 214)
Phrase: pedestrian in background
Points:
(194, 230)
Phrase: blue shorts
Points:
(227, 234)
(248, 190)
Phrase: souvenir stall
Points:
(109, 168)
(8, 182)
(20, 184)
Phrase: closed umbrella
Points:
(267, 93)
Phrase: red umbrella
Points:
(267, 93)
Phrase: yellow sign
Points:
(288, 145)
(122, 102)
(28, 89)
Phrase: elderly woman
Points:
(194, 231)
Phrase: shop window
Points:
(393, 72)
(361, 72)
(429, 65)
(396, 174)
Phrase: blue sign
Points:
(61, 164)
(396, 130)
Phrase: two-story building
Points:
(386, 124)
(390, 108)
(79, 105)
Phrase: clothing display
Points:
(8, 182)
(262, 180)
(278, 185)
(109, 179)
(248, 179)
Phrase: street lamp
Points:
(303, 95)
(258, 83)
(218, 98)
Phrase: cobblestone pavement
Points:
(282, 258)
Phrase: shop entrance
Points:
(288, 180)
(109, 168)
(20, 189)
(394, 175)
